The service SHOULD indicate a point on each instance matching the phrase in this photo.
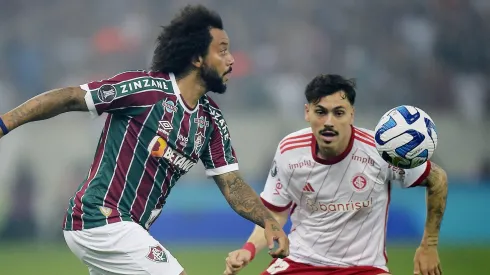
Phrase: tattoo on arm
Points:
(46, 105)
(436, 184)
(243, 199)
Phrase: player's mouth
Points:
(328, 136)
(225, 75)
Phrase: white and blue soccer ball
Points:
(405, 137)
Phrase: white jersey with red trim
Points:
(339, 207)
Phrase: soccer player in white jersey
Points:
(335, 187)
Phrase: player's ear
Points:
(197, 61)
(307, 108)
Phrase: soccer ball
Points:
(405, 137)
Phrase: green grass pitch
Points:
(25, 259)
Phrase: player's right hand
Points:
(236, 261)
(275, 234)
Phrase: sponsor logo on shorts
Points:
(278, 266)
(106, 93)
(157, 254)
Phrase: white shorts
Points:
(121, 248)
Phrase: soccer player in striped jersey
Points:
(332, 183)
(160, 123)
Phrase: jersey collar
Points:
(336, 159)
(179, 97)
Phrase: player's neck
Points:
(191, 89)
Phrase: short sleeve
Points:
(129, 93)
(275, 195)
(219, 156)
(409, 177)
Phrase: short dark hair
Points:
(185, 39)
(328, 84)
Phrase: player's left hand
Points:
(236, 261)
(426, 261)
(274, 233)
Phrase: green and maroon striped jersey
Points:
(150, 139)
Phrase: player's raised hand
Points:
(274, 233)
(426, 261)
(237, 260)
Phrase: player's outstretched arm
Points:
(44, 106)
(426, 258)
(240, 258)
(243, 199)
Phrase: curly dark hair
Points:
(327, 84)
(186, 38)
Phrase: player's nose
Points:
(231, 60)
(328, 120)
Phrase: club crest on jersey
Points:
(198, 142)
(169, 106)
(165, 127)
(359, 182)
(106, 93)
(157, 254)
(201, 122)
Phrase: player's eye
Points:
(320, 112)
(339, 113)
(224, 51)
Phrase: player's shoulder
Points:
(128, 75)
(296, 141)
(139, 74)
(212, 111)
(364, 142)
(208, 103)
(363, 138)
(211, 108)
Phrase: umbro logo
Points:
(165, 127)
(308, 188)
